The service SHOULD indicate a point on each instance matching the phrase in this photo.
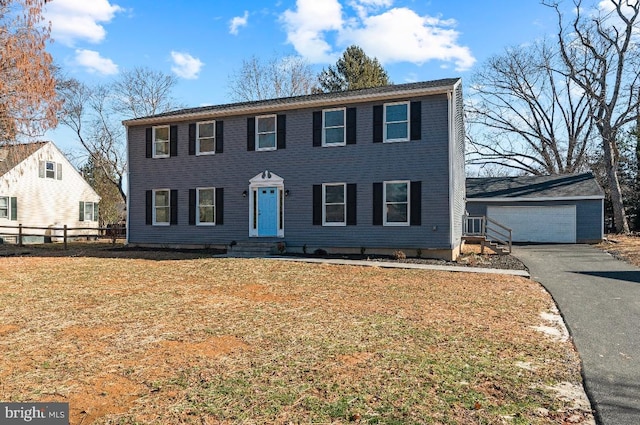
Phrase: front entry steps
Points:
(253, 249)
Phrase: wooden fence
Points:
(112, 232)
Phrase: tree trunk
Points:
(611, 168)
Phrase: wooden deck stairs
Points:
(489, 233)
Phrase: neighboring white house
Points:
(39, 187)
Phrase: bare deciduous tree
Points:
(601, 53)
(95, 114)
(526, 116)
(278, 77)
(28, 101)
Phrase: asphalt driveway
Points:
(599, 298)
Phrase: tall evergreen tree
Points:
(354, 70)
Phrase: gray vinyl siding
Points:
(588, 215)
(458, 171)
(302, 165)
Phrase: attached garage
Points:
(541, 209)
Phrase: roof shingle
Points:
(559, 186)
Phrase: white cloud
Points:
(185, 65)
(94, 63)
(391, 35)
(306, 28)
(73, 20)
(238, 22)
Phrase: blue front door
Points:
(267, 211)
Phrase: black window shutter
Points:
(192, 139)
(317, 128)
(173, 140)
(317, 205)
(192, 207)
(351, 126)
(149, 207)
(416, 203)
(378, 117)
(219, 205)
(352, 212)
(377, 204)
(282, 131)
(173, 206)
(416, 120)
(14, 209)
(81, 215)
(149, 142)
(251, 134)
(96, 212)
(219, 136)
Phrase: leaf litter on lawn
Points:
(207, 340)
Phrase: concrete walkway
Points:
(599, 298)
(391, 265)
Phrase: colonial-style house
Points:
(39, 187)
(372, 170)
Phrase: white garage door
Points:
(538, 224)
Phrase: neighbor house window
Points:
(333, 127)
(266, 132)
(206, 201)
(396, 203)
(50, 170)
(161, 141)
(396, 122)
(4, 207)
(161, 206)
(206, 138)
(334, 197)
(88, 211)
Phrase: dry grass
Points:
(625, 247)
(222, 341)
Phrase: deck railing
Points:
(481, 226)
(63, 233)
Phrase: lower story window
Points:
(396, 203)
(206, 202)
(161, 206)
(4, 207)
(334, 202)
(88, 211)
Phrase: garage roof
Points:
(534, 188)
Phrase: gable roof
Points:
(309, 101)
(568, 186)
(13, 154)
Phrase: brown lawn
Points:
(233, 341)
(624, 247)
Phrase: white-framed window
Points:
(334, 127)
(396, 203)
(334, 204)
(4, 207)
(206, 138)
(266, 133)
(161, 207)
(50, 169)
(396, 122)
(161, 141)
(90, 211)
(206, 202)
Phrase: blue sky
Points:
(203, 42)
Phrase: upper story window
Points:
(396, 203)
(161, 206)
(333, 127)
(206, 138)
(266, 133)
(50, 170)
(396, 122)
(161, 141)
(206, 201)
